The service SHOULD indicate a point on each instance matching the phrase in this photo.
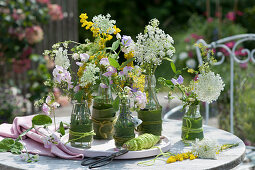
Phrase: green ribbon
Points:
(147, 163)
(187, 130)
(79, 135)
(103, 123)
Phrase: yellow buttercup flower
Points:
(171, 159)
(191, 157)
(84, 16)
(185, 155)
(117, 30)
(89, 24)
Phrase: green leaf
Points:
(126, 62)
(18, 145)
(4, 148)
(116, 103)
(78, 96)
(8, 142)
(114, 62)
(61, 129)
(115, 45)
(169, 82)
(15, 151)
(41, 120)
(173, 67)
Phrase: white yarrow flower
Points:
(61, 58)
(206, 148)
(104, 23)
(208, 87)
(89, 75)
(153, 45)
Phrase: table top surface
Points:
(172, 129)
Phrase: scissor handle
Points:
(91, 160)
(101, 162)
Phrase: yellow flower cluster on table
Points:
(181, 157)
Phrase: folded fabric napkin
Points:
(34, 140)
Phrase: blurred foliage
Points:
(8, 104)
(15, 17)
(244, 105)
(36, 79)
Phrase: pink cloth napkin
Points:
(33, 140)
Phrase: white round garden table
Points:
(172, 129)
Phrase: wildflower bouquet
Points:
(98, 70)
(205, 87)
(151, 47)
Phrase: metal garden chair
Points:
(239, 39)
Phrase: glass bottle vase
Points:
(151, 115)
(103, 114)
(192, 124)
(124, 127)
(81, 131)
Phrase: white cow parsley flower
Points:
(89, 75)
(153, 45)
(206, 148)
(208, 87)
(61, 58)
(104, 24)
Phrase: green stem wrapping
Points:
(192, 124)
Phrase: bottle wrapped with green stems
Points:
(103, 114)
(151, 114)
(192, 124)
(124, 127)
(81, 131)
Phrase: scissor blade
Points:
(121, 152)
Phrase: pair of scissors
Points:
(99, 161)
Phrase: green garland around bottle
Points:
(103, 119)
(192, 128)
(152, 122)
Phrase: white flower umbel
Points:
(208, 87)
(89, 75)
(61, 58)
(152, 46)
(206, 148)
(104, 24)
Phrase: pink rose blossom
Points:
(55, 11)
(244, 65)
(231, 16)
(230, 44)
(210, 19)
(34, 34)
(187, 40)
